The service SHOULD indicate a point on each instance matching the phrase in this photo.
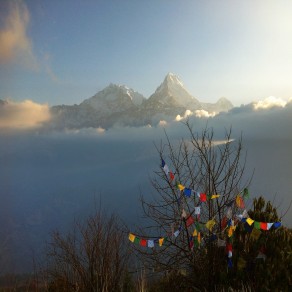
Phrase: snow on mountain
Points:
(118, 104)
(172, 93)
(114, 98)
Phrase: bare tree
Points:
(93, 257)
(193, 173)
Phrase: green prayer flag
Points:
(257, 225)
(137, 240)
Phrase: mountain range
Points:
(120, 105)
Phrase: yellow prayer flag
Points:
(195, 233)
(181, 187)
(210, 224)
(215, 196)
(132, 237)
(249, 221)
(231, 230)
(161, 241)
(199, 237)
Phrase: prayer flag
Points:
(229, 213)
(221, 242)
(269, 225)
(180, 187)
(264, 225)
(184, 214)
(132, 237)
(195, 233)
(187, 192)
(231, 230)
(249, 221)
(239, 202)
(203, 197)
(176, 233)
(215, 196)
(223, 222)
(210, 224)
(229, 247)
(197, 210)
(162, 163)
(166, 169)
(277, 224)
(151, 243)
(143, 242)
(257, 225)
(229, 261)
(161, 241)
(199, 238)
(190, 220)
(171, 176)
(137, 240)
(246, 193)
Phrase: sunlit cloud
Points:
(23, 115)
(187, 113)
(269, 102)
(162, 123)
(15, 44)
(204, 114)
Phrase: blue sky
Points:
(61, 52)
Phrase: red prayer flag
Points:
(223, 223)
(143, 242)
(190, 221)
(171, 176)
(203, 197)
(264, 225)
(229, 247)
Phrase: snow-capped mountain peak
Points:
(172, 93)
(113, 94)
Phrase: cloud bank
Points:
(15, 44)
(23, 115)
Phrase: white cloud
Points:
(269, 102)
(23, 115)
(15, 44)
(187, 113)
(162, 123)
(204, 114)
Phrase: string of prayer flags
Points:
(261, 225)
